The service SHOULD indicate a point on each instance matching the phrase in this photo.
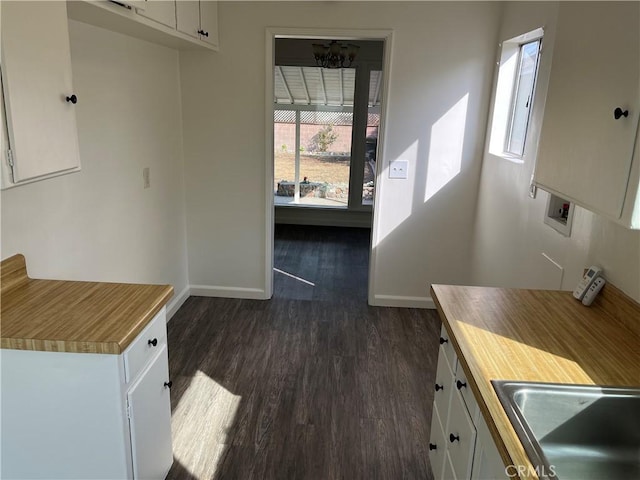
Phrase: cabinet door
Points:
(150, 421)
(161, 11)
(36, 79)
(188, 17)
(437, 444)
(443, 385)
(584, 152)
(460, 434)
(487, 463)
(209, 21)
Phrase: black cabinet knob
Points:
(168, 384)
(460, 384)
(454, 438)
(443, 340)
(432, 446)
(618, 112)
(153, 342)
(202, 32)
(439, 387)
(72, 99)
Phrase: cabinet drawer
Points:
(145, 346)
(447, 346)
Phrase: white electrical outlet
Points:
(146, 177)
(398, 169)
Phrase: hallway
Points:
(311, 384)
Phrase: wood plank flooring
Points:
(312, 384)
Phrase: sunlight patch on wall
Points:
(210, 410)
(445, 151)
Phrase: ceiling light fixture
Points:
(335, 55)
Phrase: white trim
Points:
(228, 292)
(177, 302)
(381, 156)
(270, 39)
(402, 302)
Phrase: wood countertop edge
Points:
(114, 347)
(15, 282)
(146, 318)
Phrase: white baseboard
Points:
(228, 292)
(403, 302)
(176, 303)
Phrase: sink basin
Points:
(575, 431)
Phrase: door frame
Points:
(384, 35)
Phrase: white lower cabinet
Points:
(460, 445)
(148, 401)
(437, 444)
(77, 416)
(487, 463)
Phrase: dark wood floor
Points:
(311, 384)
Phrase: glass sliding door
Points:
(322, 158)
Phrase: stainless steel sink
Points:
(575, 431)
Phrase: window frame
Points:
(507, 149)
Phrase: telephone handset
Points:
(589, 278)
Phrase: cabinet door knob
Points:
(443, 340)
(439, 387)
(618, 112)
(153, 342)
(72, 99)
(168, 384)
(460, 384)
(454, 438)
(432, 446)
(202, 32)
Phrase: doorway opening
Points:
(325, 130)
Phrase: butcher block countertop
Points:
(69, 316)
(538, 335)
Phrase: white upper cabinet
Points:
(161, 11)
(209, 22)
(188, 15)
(198, 19)
(592, 108)
(39, 98)
(182, 24)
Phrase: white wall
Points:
(510, 235)
(442, 63)
(100, 224)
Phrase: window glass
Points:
(523, 97)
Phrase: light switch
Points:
(398, 169)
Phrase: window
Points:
(522, 97)
(514, 95)
(314, 128)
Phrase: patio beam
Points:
(341, 87)
(304, 85)
(284, 82)
(324, 89)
